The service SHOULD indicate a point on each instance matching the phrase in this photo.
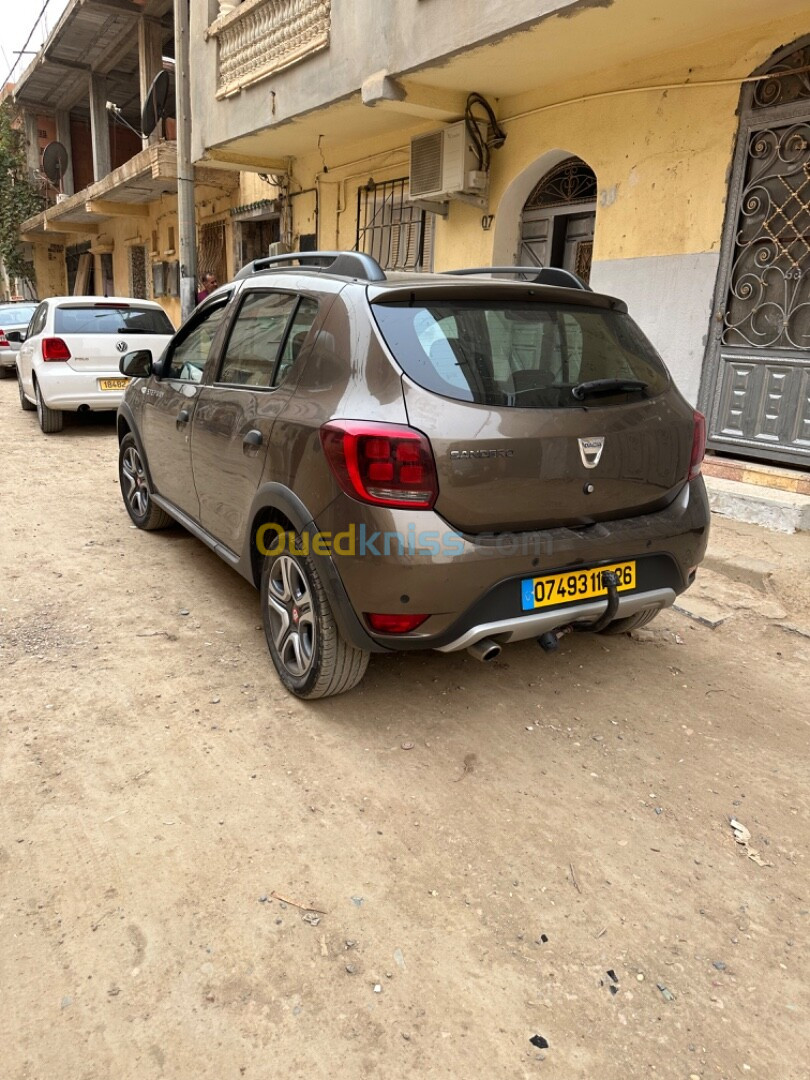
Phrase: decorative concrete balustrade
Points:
(257, 38)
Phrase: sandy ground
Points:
(485, 845)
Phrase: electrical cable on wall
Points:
(497, 136)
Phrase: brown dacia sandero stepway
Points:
(419, 461)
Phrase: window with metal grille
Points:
(391, 229)
(570, 182)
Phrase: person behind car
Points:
(209, 283)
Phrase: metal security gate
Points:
(137, 272)
(756, 388)
(558, 220)
(395, 232)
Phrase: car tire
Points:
(25, 404)
(312, 658)
(50, 420)
(135, 490)
(6, 372)
(632, 622)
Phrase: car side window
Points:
(305, 315)
(187, 358)
(37, 324)
(258, 331)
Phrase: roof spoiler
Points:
(539, 275)
(350, 264)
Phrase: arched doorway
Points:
(558, 219)
(756, 385)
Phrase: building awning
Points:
(125, 192)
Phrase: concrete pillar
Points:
(186, 216)
(99, 126)
(33, 157)
(63, 136)
(150, 62)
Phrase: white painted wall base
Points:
(670, 297)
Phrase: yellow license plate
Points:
(574, 585)
(113, 384)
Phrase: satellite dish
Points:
(154, 109)
(55, 162)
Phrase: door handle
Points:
(253, 438)
(183, 417)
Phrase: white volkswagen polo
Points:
(69, 359)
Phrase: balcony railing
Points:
(261, 37)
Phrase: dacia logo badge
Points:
(121, 346)
(590, 450)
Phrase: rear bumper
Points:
(69, 390)
(8, 357)
(532, 625)
(473, 592)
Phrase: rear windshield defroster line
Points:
(521, 354)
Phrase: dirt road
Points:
(540, 847)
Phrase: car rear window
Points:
(108, 319)
(16, 314)
(522, 354)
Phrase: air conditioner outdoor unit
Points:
(444, 166)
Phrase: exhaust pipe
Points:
(485, 650)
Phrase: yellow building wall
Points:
(661, 157)
(158, 233)
(50, 274)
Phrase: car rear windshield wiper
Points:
(607, 386)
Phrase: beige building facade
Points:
(661, 150)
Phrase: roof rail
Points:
(352, 264)
(540, 275)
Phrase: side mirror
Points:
(137, 364)
(15, 335)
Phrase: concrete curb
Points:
(783, 511)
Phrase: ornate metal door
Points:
(756, 388)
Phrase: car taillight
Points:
(381, 464)
(4, 340)
(54, 348)
(698, 445)
(394, 624)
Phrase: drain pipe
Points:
(185, 170)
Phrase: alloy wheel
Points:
(292, 616)
(133, 475)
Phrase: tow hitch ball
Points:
(550, 641)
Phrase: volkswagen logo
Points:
(590, 450)
(121, 346)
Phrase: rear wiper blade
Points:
(606, 386)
